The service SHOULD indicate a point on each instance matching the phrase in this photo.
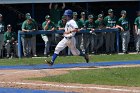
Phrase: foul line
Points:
(74, 87)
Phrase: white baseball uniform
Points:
(69, 39)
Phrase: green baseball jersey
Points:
(81, 23)
(124, 23)
(90, 25)
(99, 24)
(61, 24)
(9, 36)
(55, 15)
(110, 21)
(137, 22)
(27, 26)
(50, 26)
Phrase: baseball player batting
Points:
(69, 40)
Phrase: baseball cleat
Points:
(50, 63)
(86, 56)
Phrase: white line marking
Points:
(75, 87)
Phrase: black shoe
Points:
(125, 52)
(86, 56)
(138, 52)
(50, 63)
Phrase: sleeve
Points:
(105, 21)
(23, 25)
(119, 22)
(43, 25)
(5, 37)
(74, 24)
(135, 22)
(59, 24)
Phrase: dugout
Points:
(14, 10)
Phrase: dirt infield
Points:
(16, 79)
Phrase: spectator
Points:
(27, 26)
(33, 39)
(2, 30)
(55, 12)
(89, 38)
(10, 39)
(137, 32)
(99, 35)
(47, 25)
(124, 25)
(110, 22)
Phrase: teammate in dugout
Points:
(137, 32)
(110, 22)
(99, 35)
(69, 40)
(124, 25)
(10, 39)
(47, 25)
(89, 38)
(2, 30)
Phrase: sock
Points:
(54, 57)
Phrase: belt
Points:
(68, 37)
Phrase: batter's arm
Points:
(68, 32)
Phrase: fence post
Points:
(117, 40)
(19, 44)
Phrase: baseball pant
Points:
(125, 36)
(138, 41)
(47, 44)
(26, 43)
(98, 40)
(78, 40)
(1, 42)
(8, 47)
(109, 41)
(70, 42)
(86, 41)
(33, 45)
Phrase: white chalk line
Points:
(74, 87)
(16, 72)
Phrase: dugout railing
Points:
(60, 32)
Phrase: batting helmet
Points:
(68, 12)
(123, 12)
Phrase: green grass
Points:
(107, 76)
(69, 59)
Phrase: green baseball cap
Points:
(100, 16)
(83, 13)
(110, 11)
(123, 12)
(90, 16)
(47, 17)
(75, 13)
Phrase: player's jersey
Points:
(124, 23)
(70, 26)
(137, 22)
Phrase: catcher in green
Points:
(124, 25)
(137, 32)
